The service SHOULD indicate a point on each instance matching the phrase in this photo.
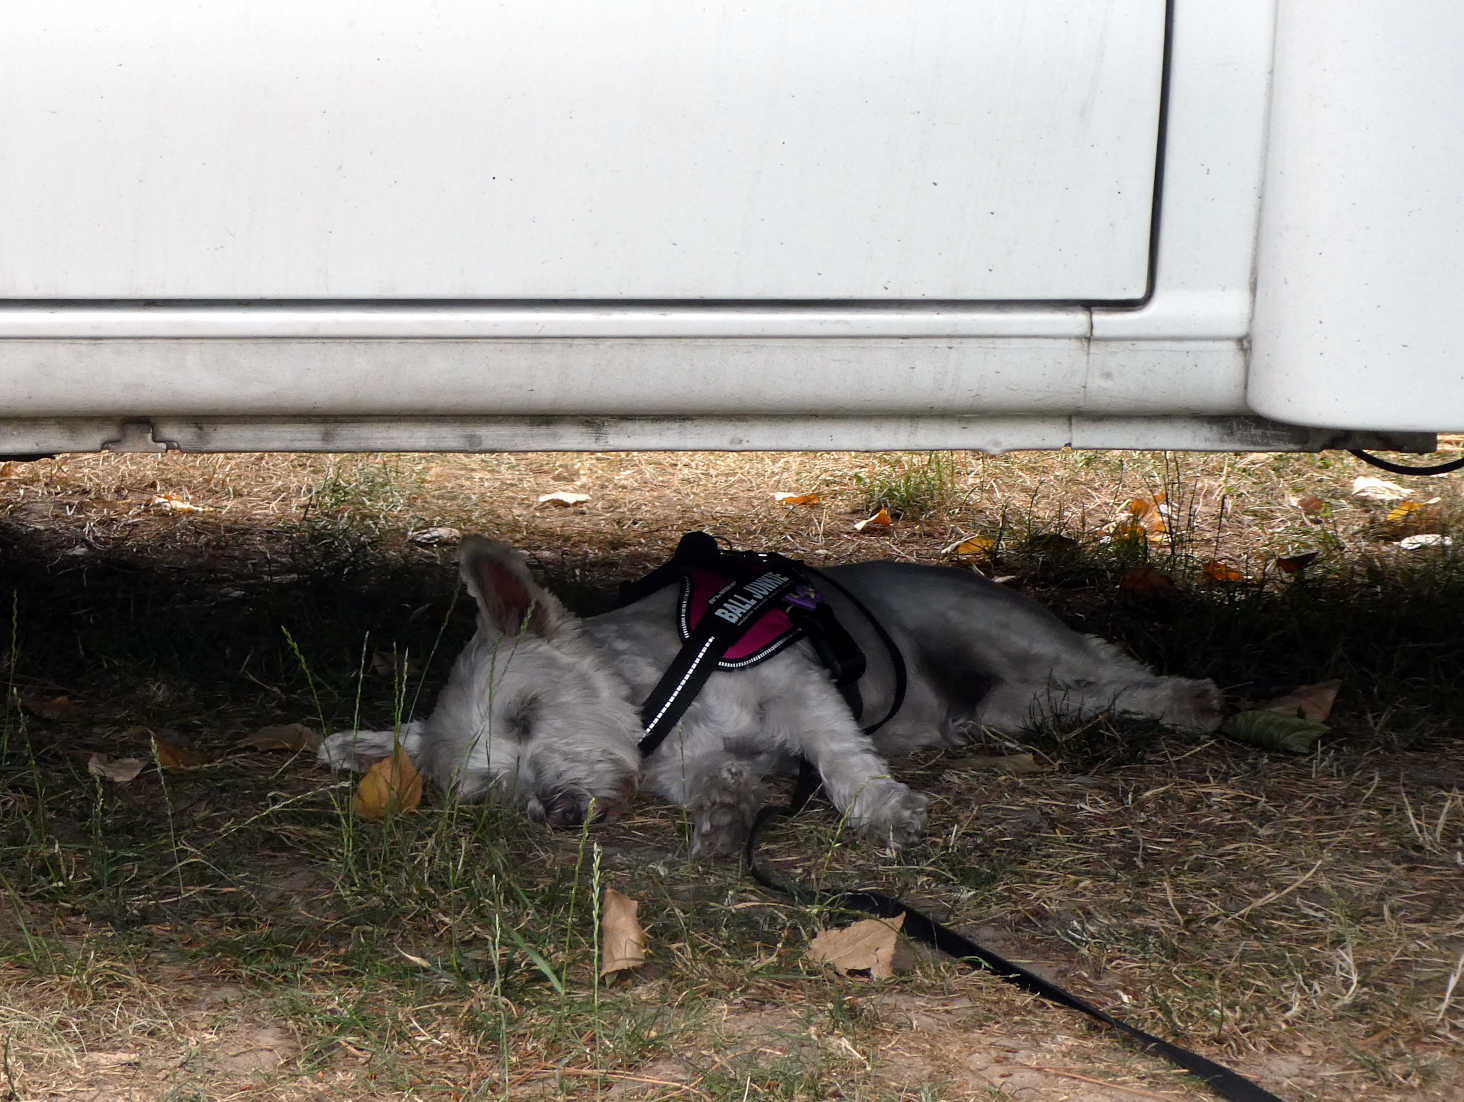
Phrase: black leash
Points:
(1226, 1083)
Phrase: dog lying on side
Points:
(542, 707)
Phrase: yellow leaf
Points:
(173, 503)
(872, 945)
(880, 519)
(971, 545)
(622, 941)
(1224, 573)
(1413, 517)
(798, 499)
(390, 787)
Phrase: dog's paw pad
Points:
(889, 810)
(1197, 706)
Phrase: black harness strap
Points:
(724, 623)
(762, 581)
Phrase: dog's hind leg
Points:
(1087, 676)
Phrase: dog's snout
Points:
(565, 809)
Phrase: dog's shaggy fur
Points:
(541, 707)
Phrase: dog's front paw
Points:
(723, 810)
(1194, 706)
(890, 811)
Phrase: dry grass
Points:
(229, 930)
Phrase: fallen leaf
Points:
(622, 941)
(971, 545)
(173, 757)
(1427, 539)
(880, 519)
(871, 945)
(1015, 764)
(1413, 517)
(173, 503)
(121, 770)
(1143, 518)
(1312, 507)
(1223, 573)
(563, 497)
(293, 737)
(798, 499)
(1274, 731)
(1295, 564)
(429, 537)
(1145, 583)
(104, 1060)
(7, 469)
(390, 787)
(1313, 702)
(57, 709)
(1375, 489)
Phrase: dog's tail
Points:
(357, 751)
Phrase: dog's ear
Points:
(509, 600)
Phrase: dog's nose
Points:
(565, 809)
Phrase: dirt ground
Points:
(221, 925)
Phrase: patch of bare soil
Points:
(219, 925)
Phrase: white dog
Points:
(542, 707)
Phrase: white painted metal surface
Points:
(645, 149)
(1357, 274)
(1360, 277)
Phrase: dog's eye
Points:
(520, 717)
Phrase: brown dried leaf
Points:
(1312, 507)
(1015, 764)
(173, 757)
(798, 499)
(1295, 564)
(390, 787)
(1145, 583)
(7, 469)
(1220, 572)
(622, 941)
(880, 519)
(121, 770)
(871, 945)
(57, 709)
(292, 737)
(1313, 702)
